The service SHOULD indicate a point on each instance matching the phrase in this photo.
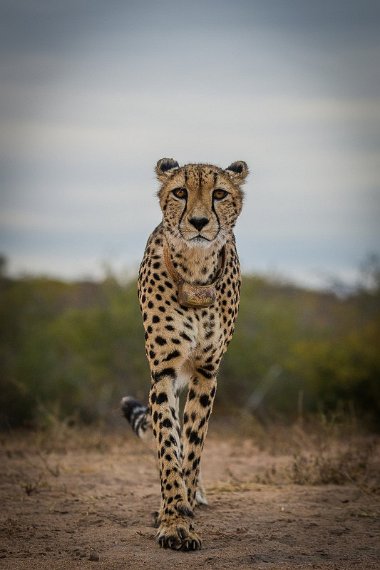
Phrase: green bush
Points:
(73, 349)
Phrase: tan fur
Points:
(184, 346)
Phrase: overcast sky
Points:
(93, 93)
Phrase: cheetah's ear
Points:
(165, 167)
(237, 171)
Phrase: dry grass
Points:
(318, 452)
(321, 451)
(335, 466)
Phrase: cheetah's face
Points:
(200, 202)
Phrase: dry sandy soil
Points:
(70, 501)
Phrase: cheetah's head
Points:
(200, 202)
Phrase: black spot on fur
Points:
(193, 438)
(162, 397)
(204, 373)
(205, 400)
(165, 372)
(184, 336)
(172, 355)
(191, 395)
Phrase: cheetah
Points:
(188, 288)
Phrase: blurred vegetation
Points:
(72, 350)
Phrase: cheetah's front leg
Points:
(197, 412)
(175, 530)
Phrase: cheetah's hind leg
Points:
(200, 495)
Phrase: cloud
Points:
(92, 98)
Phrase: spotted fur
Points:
(185, 345)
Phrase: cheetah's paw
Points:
(178, 535)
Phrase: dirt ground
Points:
(85, 501)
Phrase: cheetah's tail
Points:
(138, 416)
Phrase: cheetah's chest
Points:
(196, 334)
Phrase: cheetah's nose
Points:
(198, 223)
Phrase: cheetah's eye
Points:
(219, 194)
(180, 193)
